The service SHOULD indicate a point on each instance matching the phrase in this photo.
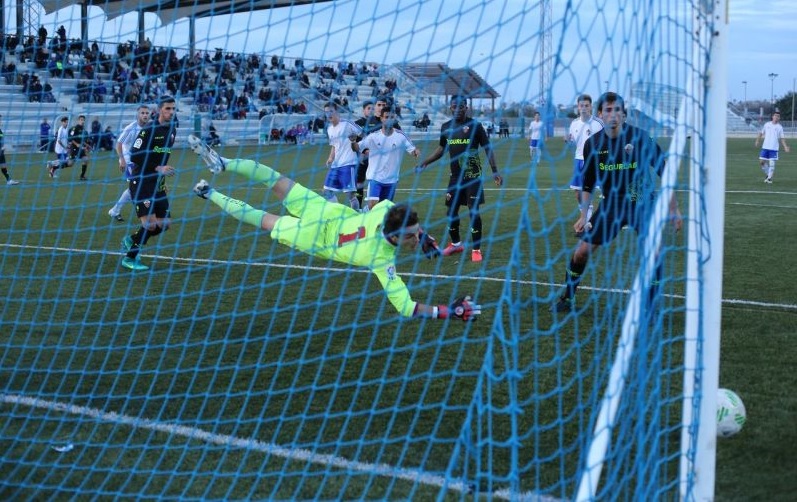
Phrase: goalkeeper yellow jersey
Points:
(338, 232)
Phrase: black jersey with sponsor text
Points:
(151, 149)
(622, 166)
(462, 141)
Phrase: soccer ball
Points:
(731, 414)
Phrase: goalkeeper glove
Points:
(463, 309)
(429, 245)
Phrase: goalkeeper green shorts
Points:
(312, 226)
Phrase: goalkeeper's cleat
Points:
(202, 189)
(133, 263)
(12, 182)
(210, 156)
(562, 305)
(453, 249)
(127, 243)
(476, 256)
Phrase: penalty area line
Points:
(297, 454)
(439, 277)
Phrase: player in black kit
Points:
(619, 159)
(149, 156)
(461, 137)
(79, 145)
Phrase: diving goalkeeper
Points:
(335, 231)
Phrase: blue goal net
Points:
(197, 303)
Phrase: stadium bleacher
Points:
(240, 75)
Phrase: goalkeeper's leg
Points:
(261, 173)
(242, 211)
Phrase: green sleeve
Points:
(396, 290)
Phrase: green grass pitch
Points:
(226, 334)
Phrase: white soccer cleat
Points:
(202, 189)
(211, 158)
(12, 182)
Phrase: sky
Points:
(597, 42)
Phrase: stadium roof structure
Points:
(168, 11)
(174, 10)
(439, 78)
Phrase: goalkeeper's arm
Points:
(464, 309)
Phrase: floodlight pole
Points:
(744, 82)
(793, 90)
(772, 77)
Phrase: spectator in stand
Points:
(213, 138)
(423, 123)
(98, 91)
(117, 92)
(242, 106)
(35, 90)
(87, 71)
(10, 73)
(503, 128)
(42, 36)
(96, 133)
(106, 139)
(44, 136)
(40, 58)
(290, 135)
(61, 32)
(220, 109)
(83, 92)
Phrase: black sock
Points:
(572, 279)
(453, 226)
(83, 170)
(453, 232)
(476, 231)
(140, 238)
(5, 173)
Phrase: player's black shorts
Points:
(77, 153)
(609, 219)
(467, 193)
(362, 167)
(148, 201)
(2, 157)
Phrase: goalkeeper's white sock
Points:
(254, 171)
(239, 210)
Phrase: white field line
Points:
(297, 454)
(474, 278)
